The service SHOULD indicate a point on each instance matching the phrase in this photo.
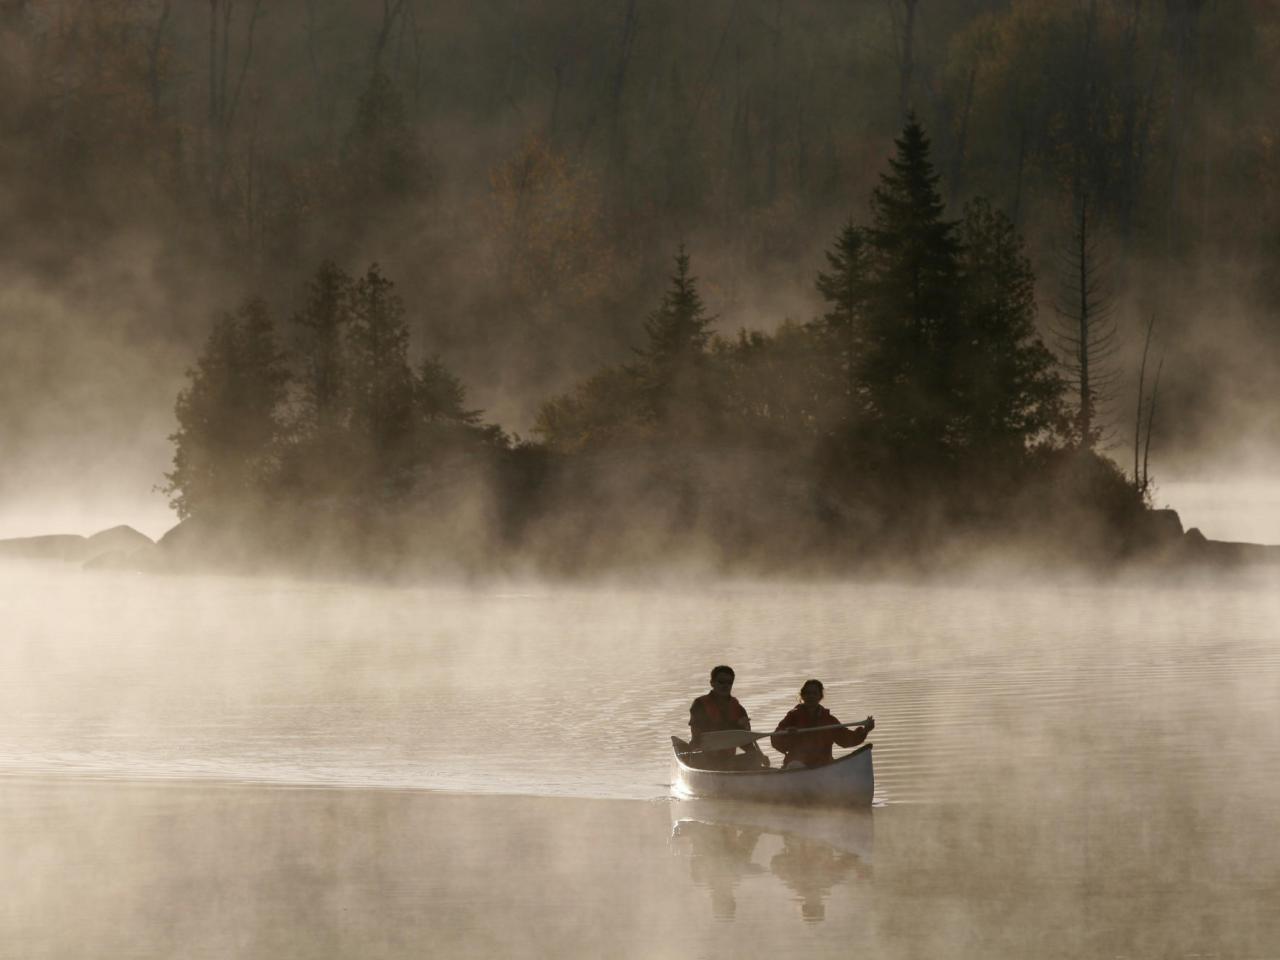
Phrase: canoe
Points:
(848, 781)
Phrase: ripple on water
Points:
(976, 691)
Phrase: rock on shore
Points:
(116, 547)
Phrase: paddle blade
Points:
(727, 739)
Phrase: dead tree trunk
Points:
(617, 129)
(223, 98)
(154, 51)
(906, 53)
(1151, 419)
(1085, 332)
(1137, 429)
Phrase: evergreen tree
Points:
(228, 416)
(443, 420)
(318, 460)
(1007, 390)
(440, 397)
(674, 368)
(451, 447)
(381, 382)
(381, 161)
(322, 375)
(912, 313)
(845, 291)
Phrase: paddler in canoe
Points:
(720, 710)
(801, 747)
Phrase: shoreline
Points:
(954, 562)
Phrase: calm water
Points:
(224, 767)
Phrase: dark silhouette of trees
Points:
(380, 384)
(1007, 388)
(381, 160)
(601, 410)
(783, 391)
(674, 366)
(921, 401)
(320, 443)
(439, 396)
(323, 324)
(360, 427)
(845, 291)
(947, 384)
(229, 416)
(672, 385)
(913, 321)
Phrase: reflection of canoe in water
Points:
(847, 781)
(811, 850)
(846, 831)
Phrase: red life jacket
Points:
(813, 749)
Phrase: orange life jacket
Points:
(720, 712)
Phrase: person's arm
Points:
(785, 743)
(697, 723)
(851, 736)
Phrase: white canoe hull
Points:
(848, 781)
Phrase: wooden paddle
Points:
(731, 739)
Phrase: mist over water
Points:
(573, 690)
(1247, 509)
(1062, 769)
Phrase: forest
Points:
(811, 279)
(920, 409)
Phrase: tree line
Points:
(922, 403)
(546, 158)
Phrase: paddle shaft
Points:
(731, 739)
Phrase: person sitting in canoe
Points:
(813, 749)
(720, 710)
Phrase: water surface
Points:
(221, 766)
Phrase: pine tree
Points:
(1007, 391)
(674, 367)
(381, 382)
(382, 162)
(322, 377)
(229, 423)
(845, 289)
(440, 397)
(912, 311)
(318, 458)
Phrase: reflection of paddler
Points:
(847, 831)
(812, 870)
(719, 856)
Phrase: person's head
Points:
(722, 679)
(811, 692)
